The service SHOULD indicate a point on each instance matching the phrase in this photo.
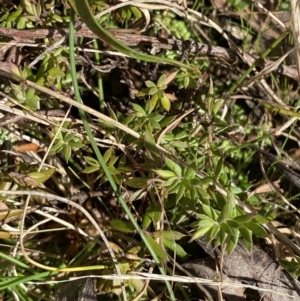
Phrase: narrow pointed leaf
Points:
(160, 252)
(227, 210)
(257, 229)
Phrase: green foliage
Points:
(26, 96)
(5, 136)
(293, 266)
(240, 5)
(179, 28)
(185, 79)
(227, 225)
(116, 172)
(29, 14)
(128, 12)
(33, 178)
(171, 197)
(65, 143)
(157, 94)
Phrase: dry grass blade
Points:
(295, 11)
(178, 279)
(50, 197)
(270, 67)
(258, 4)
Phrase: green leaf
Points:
(217, 106)
(228, 209)
(152, 102)
(30, 92)
(204, 181)
(229, 230)
(173, 188)
(91, 161)
(76, 144)
(257, 229)
(209, 211)
(162, 87)
(165, 173)
(137, 182)
(178, 250)
(174, 167)
(14, 14)
(54, 72)
(23, 179)
(224, 229)
(180, 192)
(186, 81)
(260, 219)
(57, 18)
(280, 109)
(153, 214)
(199, 233)
(248, 245)
(160, 252)
(219, 168)
(169, 235)
(246, 234)
(243, 218)
(136, 12)
(155, 116)
(165, 102)
(205, 217)
(161, 80)
(137, 284)
(112, 170)
(122, 226)
(210, 97)
(66, 152)
(170, 181)
(152, 91)
(206, 199)
(112, 160)
(233, 223)
(56, 147)
(21, 23)
(206, 223)
(232, 241)
(213, 232)
(166, 121)
(90, 169)
(42, 176)
(18, 92)
(190, 172)
(154, 124)
(29, 7)
(107, 155)
(33, 103)
(136, 195)
(139, 109)
(69, 137)
(150, 84)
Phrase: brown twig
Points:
(133, 39)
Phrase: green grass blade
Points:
(19, 280)
(101, 160)
(83, 9)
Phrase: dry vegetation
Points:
(134, 143)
